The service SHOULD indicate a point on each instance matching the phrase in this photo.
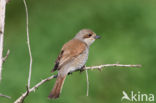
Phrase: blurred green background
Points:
(128, 30)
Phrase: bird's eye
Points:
(89, 35)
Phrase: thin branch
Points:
(2, 95)
(7, 54)
(2, 23)
(24, 95)
(87, 80)
(112, 65)
(28, 42)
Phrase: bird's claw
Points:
(82, 69)
(69, 73)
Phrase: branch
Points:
(87, 80)
(2, 95)
(2, 23)
(24, 95)
(112, 65)
(28, 42)
(7, 54)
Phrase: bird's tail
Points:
(55, 93)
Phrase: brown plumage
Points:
(55, 93)
(73, 56)
(69, 51)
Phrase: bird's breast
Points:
(79, 61)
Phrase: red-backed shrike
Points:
(73, 56)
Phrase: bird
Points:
(73, 56)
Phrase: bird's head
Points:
(87, 36)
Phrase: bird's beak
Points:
(97, 37)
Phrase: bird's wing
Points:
(69, 51)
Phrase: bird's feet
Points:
(69, 73)
(82, 69)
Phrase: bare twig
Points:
(28, 42)
(87, 80)
(2, 23)
(7, 54)
(2, 95)
(24, 95)
(112, 65)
